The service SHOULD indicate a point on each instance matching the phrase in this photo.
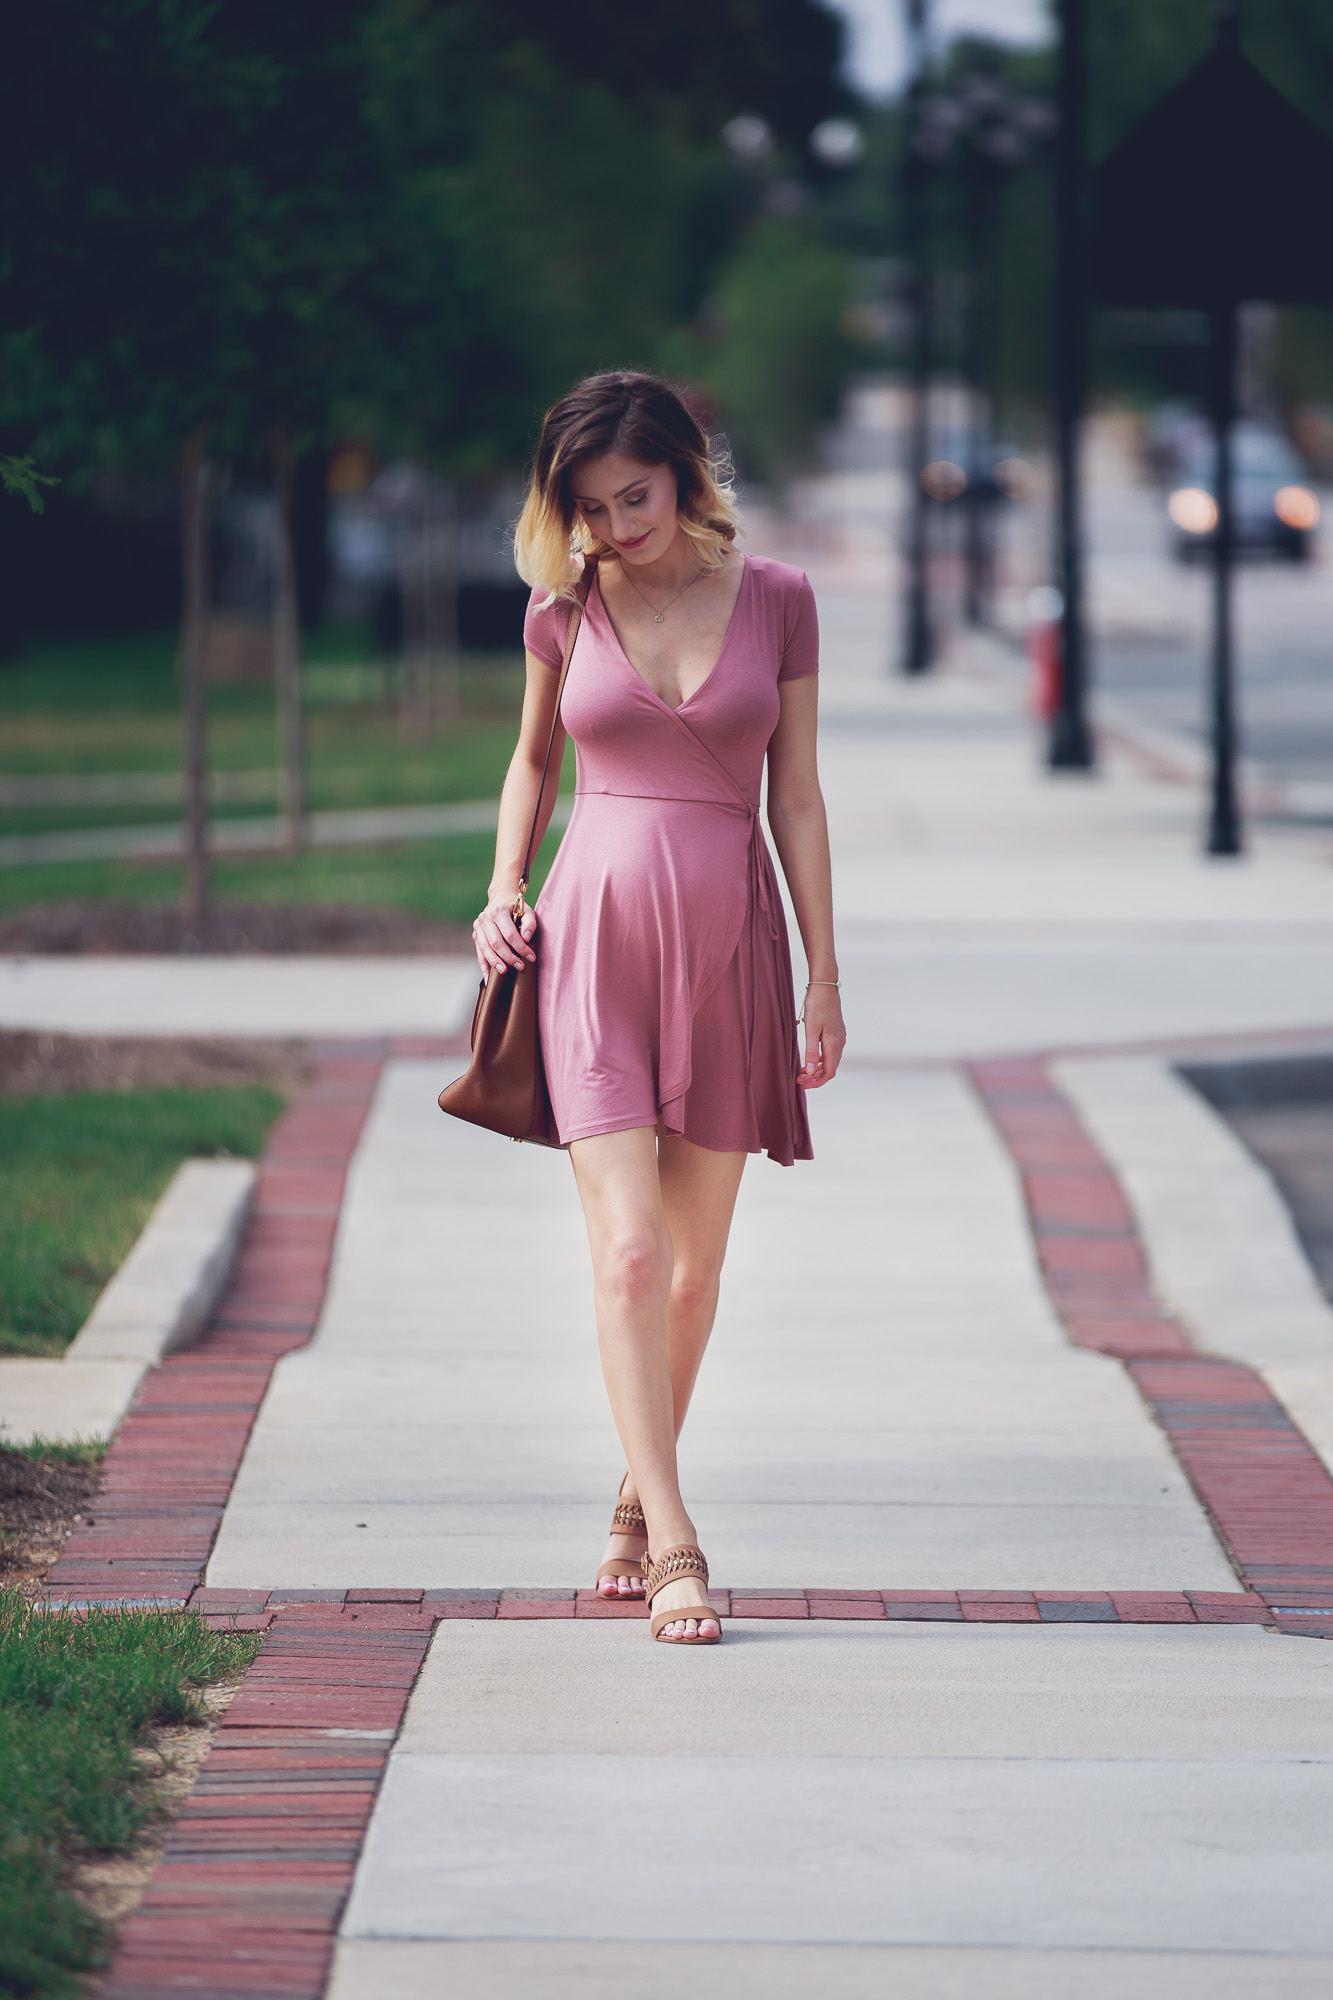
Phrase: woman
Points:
(665, 1001)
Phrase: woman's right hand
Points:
(499, 941)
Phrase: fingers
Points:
(499, 942)
(825, 1040)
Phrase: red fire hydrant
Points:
(1045, 608)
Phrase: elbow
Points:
(792, 812)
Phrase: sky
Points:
(875, 32)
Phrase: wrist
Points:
(823, 975)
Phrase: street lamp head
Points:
(748, 138)
(836, 142)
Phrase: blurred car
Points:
(1274, 507)
(1173, 433)
(1004, 475)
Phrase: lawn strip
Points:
(80, 1697)
(79, 1176)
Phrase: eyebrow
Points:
(614, 496)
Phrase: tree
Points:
(227, 228)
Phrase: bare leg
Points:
(644, 1286)
(699, 1191)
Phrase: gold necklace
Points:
(659, 616)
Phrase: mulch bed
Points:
(40, 1499)
(108, 929)
(39, 1065)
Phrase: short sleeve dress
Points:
(665, 981)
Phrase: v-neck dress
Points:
(664, 968)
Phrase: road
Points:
(1149, 614)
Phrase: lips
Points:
(638, 541)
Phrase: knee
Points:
(694, 1286)
(634, 1268)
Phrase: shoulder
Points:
(780, 581)
(545, 624)
(787, 609)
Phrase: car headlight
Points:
(943, 480)
(1193, 510)
(1014, 477)
(1296, 507)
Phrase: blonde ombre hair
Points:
(644, 419)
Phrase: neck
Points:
(674, 567)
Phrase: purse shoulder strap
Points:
(575, 620)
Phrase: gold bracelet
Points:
(821, 982)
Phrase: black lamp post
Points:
(1070, 745)
(1201, 206)
(918, 649)
(990, 130)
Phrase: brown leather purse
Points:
(504, 1086)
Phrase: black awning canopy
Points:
(1222, 193)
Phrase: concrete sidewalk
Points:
(892, 1403)
(1003, 1706)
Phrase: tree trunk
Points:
(196, 483)
(414, 695)
(443, 628)
(287, 655)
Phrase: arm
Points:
(495, 934)
(799, 827)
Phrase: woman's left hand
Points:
(825, 1036)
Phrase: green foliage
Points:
(423, 213)
(1138, 50)
(76, 1695)
(775, 353)
(21, 477)
(79, 1175)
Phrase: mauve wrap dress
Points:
(665, 992)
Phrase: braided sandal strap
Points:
(672, 1567)
(628, 1519)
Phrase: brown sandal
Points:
(627, 1520)
(674, 1567)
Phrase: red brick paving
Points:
(247, 1898)
(1266, 1490)
(169, 1472)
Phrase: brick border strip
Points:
(169, 1471)
(1265, 1489)
(246, 1901)
(257, 1609)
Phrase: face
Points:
(627, 504)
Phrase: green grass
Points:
(79, 1175)
(443, 879)
(63, 1451)
(113, 706)
(139, 671)
(76, 1695)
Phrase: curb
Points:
(162, 1294)
(158, 1301)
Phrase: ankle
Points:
(677, 1533)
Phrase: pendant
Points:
(658, 617)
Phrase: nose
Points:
(624, 527)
